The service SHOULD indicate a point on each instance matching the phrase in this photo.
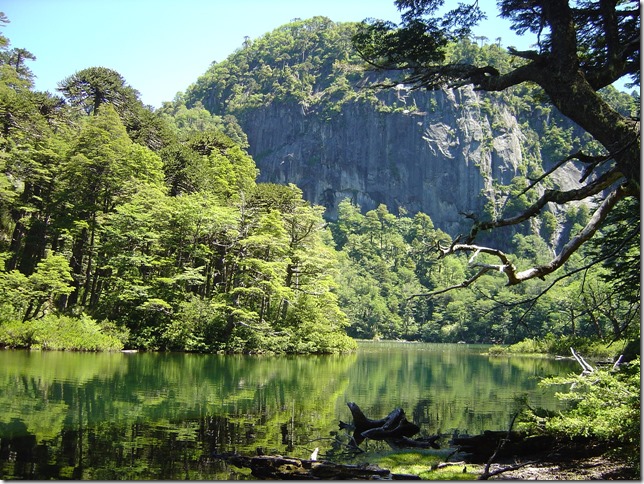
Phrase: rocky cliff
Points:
(444, 153)
(438, 154)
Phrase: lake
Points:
(161, 416)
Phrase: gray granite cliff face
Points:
(433, 152)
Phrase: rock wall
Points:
(435, 152)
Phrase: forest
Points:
(127, 227)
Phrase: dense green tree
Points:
(34, 132)
(103, 169)
(387, 261)
(90, 88)
(32, 297)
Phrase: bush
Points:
(560, 345)
(604, 406)
(54, 332)
(498, 350)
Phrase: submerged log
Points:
(404, 428)
(280, 467)
(395, 429)
(421, 443)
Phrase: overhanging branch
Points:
(506, 266)
(590, 161)
(555, 196)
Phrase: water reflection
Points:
(160, 416)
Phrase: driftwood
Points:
(480, 448)
(586, 368)
(395, 429)
(289, 468)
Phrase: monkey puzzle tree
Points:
(94, 86)
(582, 46)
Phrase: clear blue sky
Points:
(161, 47)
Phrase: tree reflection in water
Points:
(161, 416)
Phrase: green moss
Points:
(422, 463)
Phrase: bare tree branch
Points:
(555, 196)
(456, 286)
(533, 300)
(516, 277)
(591, 161)
(586, 368)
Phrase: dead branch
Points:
(450, 288)
(586, 368)
(550, 196)
(533, 300)
(501, 470)
(590, 161)
(486, 471)
(516, 277)
(618, 362)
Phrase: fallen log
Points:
(289, 468)
(480, 448)
(393, 427)
(421, 443)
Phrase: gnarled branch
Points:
(555, 196)
(506, 266)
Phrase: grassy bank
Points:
(560, 346)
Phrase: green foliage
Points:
(421, 463)
(560, 345)
(309, 62)
(619, 246)
(26, 297)
(605, 406)
(156, 224)
(55, 332)
(387, 260)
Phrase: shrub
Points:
(55, 332)
(560, 345)
(605, 406)
(497, 350)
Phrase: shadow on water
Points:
(161, 416)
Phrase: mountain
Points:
(316, 118)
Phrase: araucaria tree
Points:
(581, 47)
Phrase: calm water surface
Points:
(161, 416)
